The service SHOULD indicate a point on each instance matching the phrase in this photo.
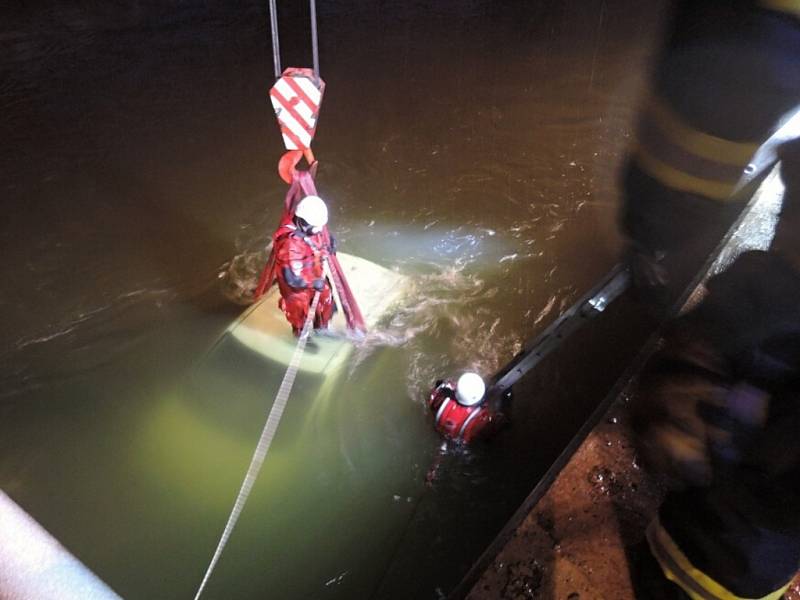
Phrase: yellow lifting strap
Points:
(678, 569)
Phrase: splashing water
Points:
(239, 277)
(446, 322)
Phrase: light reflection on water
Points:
(448, 311)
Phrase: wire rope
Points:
(276, 50)
(314, 40)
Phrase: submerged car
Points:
(345, 469)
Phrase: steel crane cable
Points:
(276, 50)
(314, 41)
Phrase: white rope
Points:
(264, 441)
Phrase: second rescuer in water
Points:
(300, 251)
(461, 409)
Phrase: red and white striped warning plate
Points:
(296, 98)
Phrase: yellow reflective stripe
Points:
(678, 569)
(696, 142)
(679, 445)
(678, 180)
(788, 6)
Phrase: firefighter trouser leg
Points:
(725, 387)
(696, 583)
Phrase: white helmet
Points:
(313, 211)
(470, 389)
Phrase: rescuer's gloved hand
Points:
(318, 284)
(332, 247)
(672, 436)
(293, 280)
(687, 375)
(702, 429)
(648, 276)
(704, 399)
(733, 424)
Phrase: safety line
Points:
(267, 434)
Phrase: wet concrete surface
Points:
(573, 543)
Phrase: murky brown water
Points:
(471, 146)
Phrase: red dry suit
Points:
(456, 421)
(298, 271)
(296, 298)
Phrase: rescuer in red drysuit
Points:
(462, 413)
(297, 288)
(300, 250)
